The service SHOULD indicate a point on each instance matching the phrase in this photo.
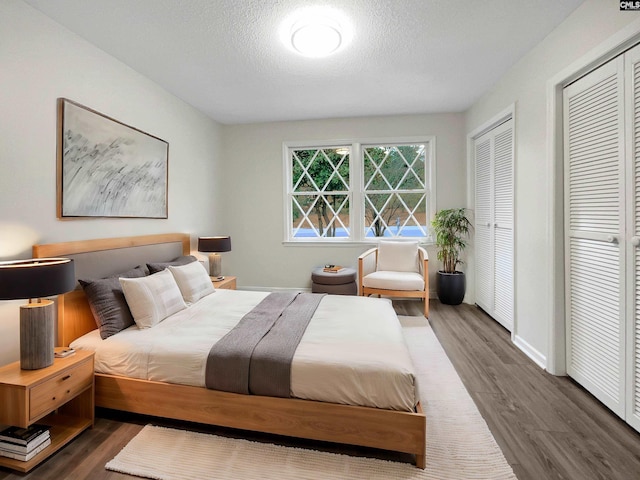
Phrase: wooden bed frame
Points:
(364, 426)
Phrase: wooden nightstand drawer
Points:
(59, 389)
(60, 395)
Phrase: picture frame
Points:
(106, 168)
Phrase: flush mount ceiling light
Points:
(316, 37)
(316, 31)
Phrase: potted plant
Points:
(452, 229)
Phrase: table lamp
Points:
(214, 245)
(33, 279)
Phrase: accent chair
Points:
(395, 269)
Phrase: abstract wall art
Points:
(107, 168)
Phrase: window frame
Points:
(356, 187)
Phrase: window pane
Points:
(391, 215)
(394, 167)
(374, 224)
(412, 221)
(415, 157)
(318, 170)
(373, 159)
(391, 167)
(320, 192)
(305, 156)
(320, 216)
(300, 162)
(380, 211)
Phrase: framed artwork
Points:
(107, 168)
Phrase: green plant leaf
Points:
(452, 228)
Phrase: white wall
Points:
(41, 61)
(253, 211)
(525, 85)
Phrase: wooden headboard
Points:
(100, 258)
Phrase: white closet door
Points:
(594, 216)
(494, 223)
(503, 225)
(483, 222)
(632, 84)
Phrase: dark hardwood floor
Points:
(548, 427)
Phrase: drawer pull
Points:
(66, 377)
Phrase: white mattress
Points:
(352, 352)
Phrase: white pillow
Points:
(152, 299)
(193, 280)
(398, 257)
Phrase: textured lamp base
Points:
(215, 264)
(36, 335)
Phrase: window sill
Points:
(349, 243)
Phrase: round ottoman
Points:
(339, 283)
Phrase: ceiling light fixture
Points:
(316, 36)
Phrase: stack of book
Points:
(24, 443)
(332, 268)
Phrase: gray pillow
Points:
(176, 262)
(107, 302)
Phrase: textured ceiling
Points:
(225, 57)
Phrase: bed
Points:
(390, 428)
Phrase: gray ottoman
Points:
(340, 283)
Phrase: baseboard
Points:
(530, 352)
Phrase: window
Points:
(320, 192)
(357, 191)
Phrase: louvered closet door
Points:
(594, 219)
(632, 241)
(483, 244)
(494, 223)
(503, 225)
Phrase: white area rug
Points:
(459, 443)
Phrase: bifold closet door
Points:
(494, 237)
(632, 240)
(483, 230)
(594, 230)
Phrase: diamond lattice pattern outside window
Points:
(395, 191)
(320, 192)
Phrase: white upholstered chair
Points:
(395, 269)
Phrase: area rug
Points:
(459, 443)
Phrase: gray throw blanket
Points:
(255, 356)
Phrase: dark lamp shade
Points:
(36, 278)
(214, 244)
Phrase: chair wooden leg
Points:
(426, 307)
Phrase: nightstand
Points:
(61, 395)
(228, 282)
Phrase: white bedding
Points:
(352, 352)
